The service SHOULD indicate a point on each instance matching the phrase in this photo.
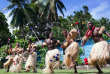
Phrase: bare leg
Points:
(72, 63)
(34, 70)
(27, 69)
(8, 69)
(98, 68)
(75, 69)
(51, 69)
(60, 66)
(108, 61)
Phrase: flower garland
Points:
(87, 35)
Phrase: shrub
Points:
(41, 57)
(79, 60)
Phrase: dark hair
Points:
(91, 22)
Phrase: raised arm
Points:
(44, 43)
(102, 30)
(105, 32)
(84, 40)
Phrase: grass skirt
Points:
(71, 51)
(50, 61)
(99, 54)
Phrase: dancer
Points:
(52, 55)
(31, 61)
(72, 49)
(12, 58)
(100, 53)
(18, 49)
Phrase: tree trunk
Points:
(22, 30)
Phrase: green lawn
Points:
(80, 71)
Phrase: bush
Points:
(79, 60)
(57, 32)
(105, 37)
(32, 39)
(23, 43)
(41, 57)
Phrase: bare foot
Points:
(100, 72)
(34, 71)
(60, 67)
(27, 71)
(6, 71)
(75, 72)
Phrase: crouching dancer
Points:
(14, 64)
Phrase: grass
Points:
(58, 71)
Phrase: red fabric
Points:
(86, 61)
(76, 23)
(89, 31)
(14, 63)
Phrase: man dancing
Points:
(52, 55)
(100, 53)
(31, 61)
(72, 49)
(18, 49)
(12, 53)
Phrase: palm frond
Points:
(39, 1)
(60, 9)
(61, 4)
(12, 12)
(9, 7)
(14, 18)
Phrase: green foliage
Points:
(57, 32)
(106, 37)
(32, 38)
(19, 14)
(79, 60)
(105, 22)
(4, 31)
(23, 43)
(49, 8)
(41, 62)
(2, 53)
(82, 16)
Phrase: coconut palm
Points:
(19, 15)
(49, 8)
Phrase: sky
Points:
(97, 8)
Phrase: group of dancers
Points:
(99, 55)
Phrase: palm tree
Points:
(48, 8)
(19, 14)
